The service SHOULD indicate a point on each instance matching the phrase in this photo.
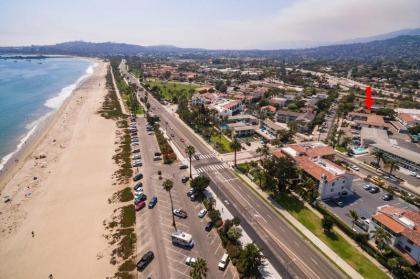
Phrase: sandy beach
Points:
(63, 196)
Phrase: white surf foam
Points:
(56, 101)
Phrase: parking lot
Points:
(154, 226)
(363, 202)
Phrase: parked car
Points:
(180, 213)
(183, 167)
(196, 156)
(140, 205)
(224, 261)
(153, 202)
(374, 190)
(367, 187)
(157, 158)
(139, 199)
(136, 157)
(184, 179)
(191, 192)
(209, 226)
(338, 202)
(136, 150)
(387, 197)
(202, 213)
(190, 260)
(137, 177)
(137, 164)
(145, 260)
(158, 154)
(182, 140)
(138, 186)
(194, 197)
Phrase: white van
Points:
(223, 261)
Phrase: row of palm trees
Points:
(389, 163)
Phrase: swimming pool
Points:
(359, 150)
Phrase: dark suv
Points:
(145, 260)
(138, 177)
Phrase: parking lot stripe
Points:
(217, 249)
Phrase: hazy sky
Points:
(201, 23)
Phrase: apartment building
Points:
(406, 158)
(312, 158)
(402, 226)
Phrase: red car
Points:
(140, 205)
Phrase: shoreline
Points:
(19, 156)
(60, 202)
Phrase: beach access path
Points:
(63, 198)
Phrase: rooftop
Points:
(400, 220)
(400, 152)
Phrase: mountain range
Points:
(403, 45)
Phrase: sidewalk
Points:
(124, 111)
(348, 269)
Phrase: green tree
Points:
(391, 165)
(234, 233)
(200, 183)
(167, 186)
(327, 224)
(190, 150)
(379, 155)
(199, 269)
(250, 259)
(353, 216)
(263, 151)
(236, 146)
(381, 237)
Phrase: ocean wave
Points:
(32, 128)
(56, 101)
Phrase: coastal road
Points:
(290, 254)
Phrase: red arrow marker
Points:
(368, 98)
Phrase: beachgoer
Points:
(33, 234)
(50, 276)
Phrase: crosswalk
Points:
(210, 168)
(205, 156)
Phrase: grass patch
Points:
(125, 195)
(220, 143)
(128, 265)
(124, 275)
(338, 244)
(128, 216)
(171, 91)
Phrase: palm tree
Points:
(379, 154)
(263, 151)
(250, 259)
(381, 237)
(340, 133)
(327, 224)
(354, 217)
(391, 165)
(236, 146)
(190, 150)
(167, 185)
(199, 269)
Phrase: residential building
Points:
(198, 99)
(410, 118)
(368, 120)
(226, 108)
(281, 102)
(312, 158)
(286, 116)
(406, 158)
(402, 225)
(243, 130)
(244, 118)
(268, 129)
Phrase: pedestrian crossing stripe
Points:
(210, 168)
(205, 156)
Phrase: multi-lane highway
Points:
(290, 254)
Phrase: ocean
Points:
(30, 91)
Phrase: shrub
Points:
(234, 251)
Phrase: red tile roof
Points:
(270, 108)
(313, 169)
(406, 117)
(231, 104)
(388, 216)
(318, 151)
